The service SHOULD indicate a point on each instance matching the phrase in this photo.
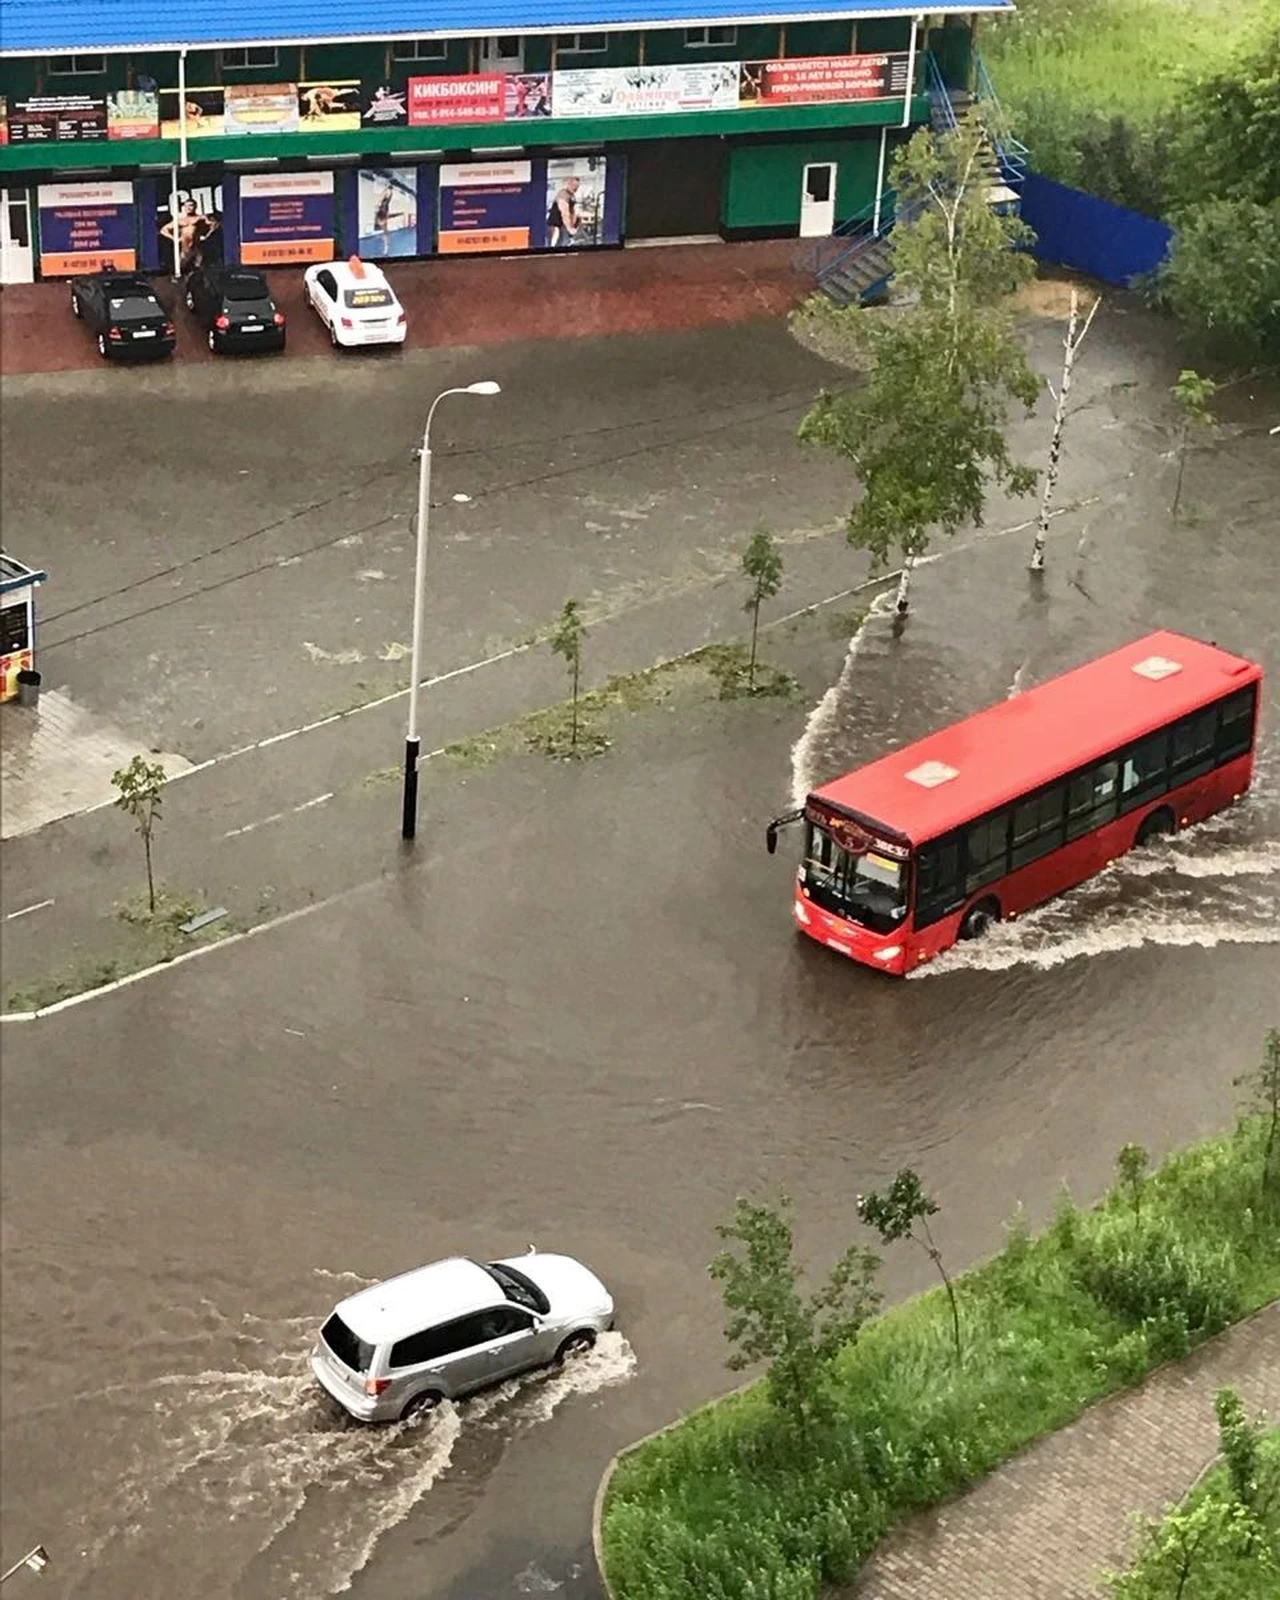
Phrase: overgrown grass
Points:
(727, 1506)
(1092, 86)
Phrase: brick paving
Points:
(1047, 1524)
(56, 759)
(475, 301)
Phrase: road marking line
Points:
(278, 816)
(27, 910)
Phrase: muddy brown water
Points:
(586, 1022)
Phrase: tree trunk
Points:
(573, 715)
(1069, 347)
(755, 630)
(903, 600)
(151, 883)
(1182, 467)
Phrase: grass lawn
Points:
(730, 1505)
(1115, 57)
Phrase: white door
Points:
(17, 259)
(818, 200)
(503, 52)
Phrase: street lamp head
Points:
(485, 386)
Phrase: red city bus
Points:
(1010, 807)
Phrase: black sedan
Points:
(235, 306)
(125, 314)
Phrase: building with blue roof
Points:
(148, 135)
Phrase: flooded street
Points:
(582, 1020)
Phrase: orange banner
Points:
(483, 241)
(288, 253)
(71, 266)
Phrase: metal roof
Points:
(38, 27)
(15, 574)
(1009, 750)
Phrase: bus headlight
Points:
(801, 914)
(890, 953)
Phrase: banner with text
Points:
(76, 118)
(86, 227)
(487, 207)
(286, 217)
(810, 80)
(644, 91)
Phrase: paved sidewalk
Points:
(1045, 1526)
(473, 301)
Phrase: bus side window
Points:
(1091, 799)
(938, 886)
(1193, 744)
(1143, 771)
(986, 848)
(1235, 724)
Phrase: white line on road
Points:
(278, 816)
(27, 910)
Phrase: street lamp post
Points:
(412, 743)
(35, 1560)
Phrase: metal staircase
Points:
(858, 263)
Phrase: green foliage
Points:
(1223, 1541)
(139, 791)
(903, 1212)
(1222, 280)
(924, 433)
(566, 640)
(770, 1320)
(1152, 1274)
(1192, 395)
(762, 564)
(728, 1506)
(1131, 1169)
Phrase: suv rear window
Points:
(361, 299)
(355, 1353)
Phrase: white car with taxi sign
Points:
(355, 302)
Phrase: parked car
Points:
(123, 311)
(398, 1349)
(355, 302)
(235, 307)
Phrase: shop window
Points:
(242, 57)
(708, 38)
(419, 50)
(581, 44)
(76, 66)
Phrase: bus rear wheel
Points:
(1155, 826)
(977, 919)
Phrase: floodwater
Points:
(587, 1022)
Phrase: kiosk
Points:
(17, 623)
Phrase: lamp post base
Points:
(409, 816)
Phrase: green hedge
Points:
(726, 1507)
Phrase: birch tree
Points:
(924, 431)
(1070, 348)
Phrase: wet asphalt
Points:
(580, 1016)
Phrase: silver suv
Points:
(399, 1348)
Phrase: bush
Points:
(721, 1508)
(1148, 1274)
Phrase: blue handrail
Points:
(1014, 155)
(944, 111)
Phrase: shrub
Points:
(1146, 1274)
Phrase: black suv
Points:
(125, 314)
(236, 307)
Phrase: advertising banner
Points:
(639, 91)
(4, 120)
(199, 227)
(204, 113)
(57, 119)
(809, 80)
(384, 105)
(332, 107)
(86, 227)
(387, 211)
(433, 102)
(133, 114)
(252, 108)
(487, 206)
(286, 217)
(576, 202)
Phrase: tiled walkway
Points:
(1046, 1525)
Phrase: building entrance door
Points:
(17, 259)
(818, 200)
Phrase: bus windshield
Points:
(868, 888)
